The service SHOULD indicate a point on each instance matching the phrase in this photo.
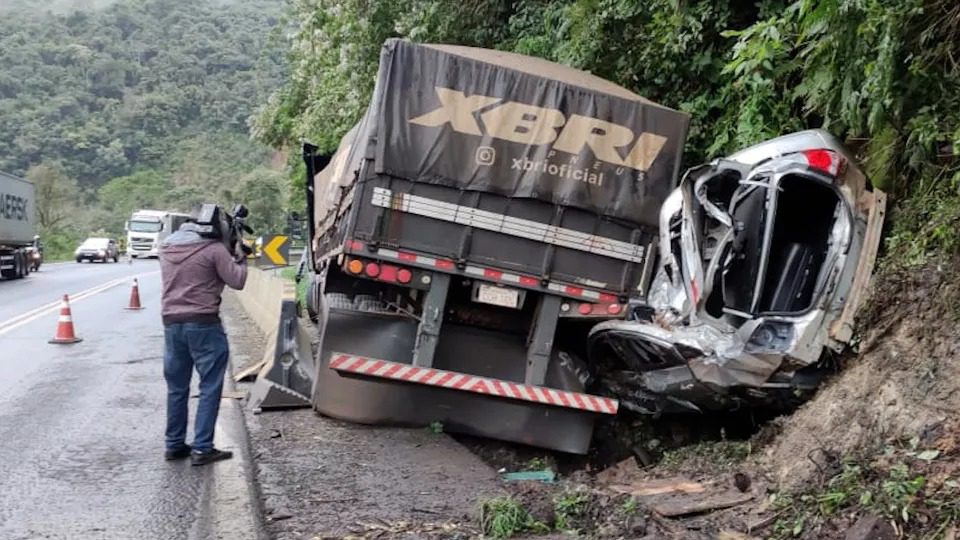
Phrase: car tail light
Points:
(826, 161)
(355, 266)
(404, 275)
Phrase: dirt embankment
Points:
(853, 452)
(904, 383)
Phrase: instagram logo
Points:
(486, 155)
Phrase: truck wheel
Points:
(19, 266)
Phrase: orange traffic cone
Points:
(65, 332)
(135, 297)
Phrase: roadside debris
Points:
(695, 504)
(660, 487)
(871, 528)
(545, 475)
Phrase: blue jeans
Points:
(187, 346)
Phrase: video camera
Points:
(214, 222)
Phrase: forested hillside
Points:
(881, 73)
(139, 103)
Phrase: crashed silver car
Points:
(764, 259)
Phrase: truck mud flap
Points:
(284, 381)
(342, 390)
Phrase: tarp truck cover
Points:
(520, 127)
(16, 211)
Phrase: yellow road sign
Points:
(275, 250)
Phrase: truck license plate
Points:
(498, 296)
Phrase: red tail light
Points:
(585, 309)
(404, 275)
(613, 309)
(372, 269)
(826, 161)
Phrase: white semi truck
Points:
(17, 226)
(147, 229)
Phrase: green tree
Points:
(56, 196)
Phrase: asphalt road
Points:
(81, 426)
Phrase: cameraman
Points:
(195, 268)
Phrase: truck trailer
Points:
(17, 226)
(487, 210)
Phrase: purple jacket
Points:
(194, 271)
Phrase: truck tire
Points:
(19, 266)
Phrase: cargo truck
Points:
(487, 210)
(146, 230)
(17, 227)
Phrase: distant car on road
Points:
(97, 249)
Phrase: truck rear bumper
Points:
(473, 387)
(464, 382)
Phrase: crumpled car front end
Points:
(764, 259)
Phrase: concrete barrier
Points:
(263, 295)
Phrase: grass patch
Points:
(711, 454)
(536, 464)
(505, 517)
(894, 485)
(569, 508)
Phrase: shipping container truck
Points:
(487, 210)
(17, 227)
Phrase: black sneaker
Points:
(202, 458)
(180, 453)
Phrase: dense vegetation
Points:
(141, 103)
(881, 73)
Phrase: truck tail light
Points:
(404, 275)
(613, 309)
(355, 266)
(585, 309)
(372, 269)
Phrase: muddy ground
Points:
(896, 398)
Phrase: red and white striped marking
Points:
(489, 274)
(472, 383)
